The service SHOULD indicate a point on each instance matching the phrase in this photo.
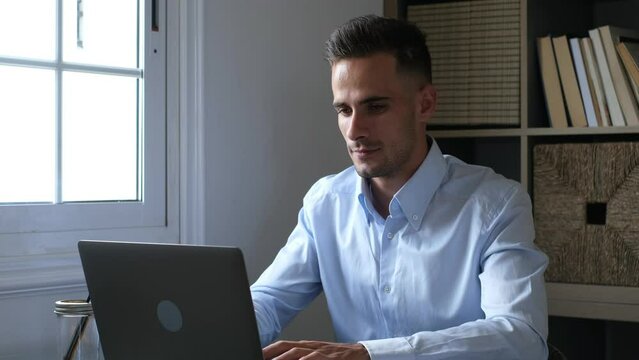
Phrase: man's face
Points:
(381, 115)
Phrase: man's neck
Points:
(384, 188)
(381, 198)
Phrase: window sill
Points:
(45, 269)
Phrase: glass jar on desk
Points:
(78, 337)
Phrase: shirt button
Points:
(415, 217)
(389, 235)
(386, 289)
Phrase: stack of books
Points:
(591, 81)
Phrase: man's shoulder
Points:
(340, 184)
(476, 180)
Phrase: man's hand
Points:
(308, 350)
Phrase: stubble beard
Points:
(396, 157)
(390, 165)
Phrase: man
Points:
(420, 255)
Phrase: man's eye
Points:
(376, 108)
(343, 111)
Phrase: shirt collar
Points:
(413, 198)
(364, 195)
(416, 194)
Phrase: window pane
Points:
(108, 32)
(27, 28)
(27, 135)
(99, 137)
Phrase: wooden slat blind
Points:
(475, 50)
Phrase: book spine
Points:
(596, 86)
(616, 116)
(632, 67)
(582, 79)
(624, 92)
(631, 56)
(569, 82)
(551, 83)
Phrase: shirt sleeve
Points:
(513, 299)
(288, 285)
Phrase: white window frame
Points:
(42, 256)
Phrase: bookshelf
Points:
(509, 150)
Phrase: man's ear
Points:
(427, 102)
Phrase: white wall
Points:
(271, 130)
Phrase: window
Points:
(85, 146)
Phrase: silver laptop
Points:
(160, 301)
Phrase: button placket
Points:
(388, 259)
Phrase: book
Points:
(569, 84)
(629, 54)
(614, 108)
(610, 37)
(594, 79)
(584, 85)
(551, 83)
(635, 88)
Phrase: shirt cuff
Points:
(386, 349)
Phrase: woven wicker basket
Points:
(586, 207)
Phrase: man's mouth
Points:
(362, 152)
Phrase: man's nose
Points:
(358, 127)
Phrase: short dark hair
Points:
(367, 35)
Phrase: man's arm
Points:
(288, 285)
(513, 300)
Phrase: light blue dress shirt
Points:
(451, 273)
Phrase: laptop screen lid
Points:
(166, 301)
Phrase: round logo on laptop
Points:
(169, 315)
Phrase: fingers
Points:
(291, 349)
(296, 353)
(314, 350)
(315, 355)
